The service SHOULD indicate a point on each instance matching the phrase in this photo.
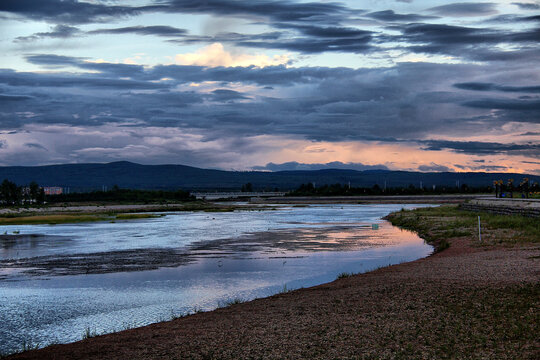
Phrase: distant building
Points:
(53, 190)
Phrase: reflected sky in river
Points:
(179, 229)
(258, 258)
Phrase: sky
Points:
(272, 84)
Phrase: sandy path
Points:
(465, 302)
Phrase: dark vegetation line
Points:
(525, 189)
(124, 195)
(12, 195)
(32, 194)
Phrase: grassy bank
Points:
(91, 212)
(439, 224)
(71, 218)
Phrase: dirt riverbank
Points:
(468, 301)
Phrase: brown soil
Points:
(464, 302)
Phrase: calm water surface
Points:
(44, 310)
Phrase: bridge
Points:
(235, 195)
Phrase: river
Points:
(58, 283)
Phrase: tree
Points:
(34, 190)
(10, 193)
(40, 198)
(247, 187)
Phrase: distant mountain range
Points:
(85, 177)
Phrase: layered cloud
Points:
(465, 9)
(293, 165)
(299, 84)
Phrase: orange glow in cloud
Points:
(394, 156)
(215, 55)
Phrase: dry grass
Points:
(51, 219)
(54, 219)
(438, 224)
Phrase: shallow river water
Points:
(189, 262)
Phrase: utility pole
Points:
(479, 230)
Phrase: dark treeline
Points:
(123, 195)
(12, 194)
(345, 190)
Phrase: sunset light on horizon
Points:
(270, 85)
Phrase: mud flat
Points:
(472, 300)
(268, 242)
(105, 212)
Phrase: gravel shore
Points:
(464, 302)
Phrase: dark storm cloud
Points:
(35, 146)
(75, 12)
(527, 54)
(116, 70)
(527, 6)
(327, 35)
(530, 133)
(279, 11)
(390, 15)
(58, 32)
(434, 167)
(482, 167)
(505, 104)
(468, 42)
(54, 60)
(477, 86)
(12, 78)
(389, 105)
(68, 11)
(512, 18)
(10, 98)
(316, 39)
(480, 148)
(531, 18)
(270, 75)
(308, 28)
(227, 37)
(226, 95)
(311, 45)
(444, 35)
(293, 165)
(143, 30)
(331, 32)
(308, 39)
(465, 9)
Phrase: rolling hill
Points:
(96, 176)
